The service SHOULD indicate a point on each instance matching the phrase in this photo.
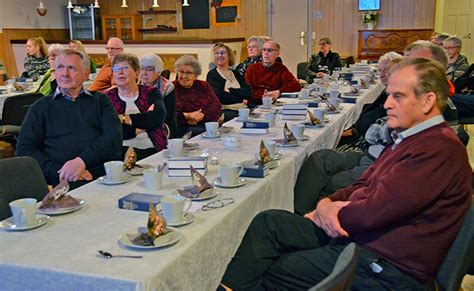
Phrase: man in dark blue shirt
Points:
(71, 132)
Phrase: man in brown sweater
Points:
(404, 212)
(104, 79)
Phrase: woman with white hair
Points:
(48, 84)
(151, 67)
(196, 102)
(457, 63)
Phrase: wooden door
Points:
(458, 20)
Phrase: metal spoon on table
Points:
(108, 255)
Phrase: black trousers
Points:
(285, 251)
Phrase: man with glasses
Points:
(324, 62)
(269, 78)
(104, 79)
(72, 132)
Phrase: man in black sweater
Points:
(71, 132)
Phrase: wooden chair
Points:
(21, 178)
(343, 271)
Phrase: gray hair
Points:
(455, 40)
(86, 63)
(437, 52)
(259, 40)
(441, 37)
(152, 60)
(387, 57)
(55, 47)
(188, 60)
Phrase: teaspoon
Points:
(108, 255)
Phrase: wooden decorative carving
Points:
(374, 43)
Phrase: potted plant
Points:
(369, 18)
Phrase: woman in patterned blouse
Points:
(36, 60)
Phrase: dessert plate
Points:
(60, 211)
(125, 178)
(241, 182)
(205, 195)
(138, 169)
(9, 224)
(167, 239)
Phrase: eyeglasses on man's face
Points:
(147, 69)
(108, 48)
(270, 50)
(117, 69)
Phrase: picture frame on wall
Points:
(365, 5)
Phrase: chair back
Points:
(302, 70)
(16, 107)
(166, 74)
(460, 256)
(21, 177)
(341, 276)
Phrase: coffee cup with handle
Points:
(24, 211)
(229, 173)
(211, 128)
(174, 207)
(175, 147)
(114, 171)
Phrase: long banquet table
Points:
(62, 255)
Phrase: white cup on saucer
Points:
(304, 93)
(267, 102)
(175, 147)
(153, 179)
(173, 207)
(271, 118)
(232, 142)
(335, 102)
(114, 170)
(271, 147)
(334, 93)
(244, 114)
(298, 130)
(323, 90)
(24, 211)
(319, 113)
(229, 174)
(211, 128)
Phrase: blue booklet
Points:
(138, 201)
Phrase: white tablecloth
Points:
(62, 255)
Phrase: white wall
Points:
(22, 14)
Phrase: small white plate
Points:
(167, 239)
(224, 129)
(204, 135)
(280, 143)
(272, 164)
(187, 219)
(305, 137)
(241, 182)
(205, 195)
(309, 125)
(60, 211)
(189, 146)
(138, 170)
(8, 223)
(103, 180)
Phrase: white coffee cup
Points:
(173, 208)
(153, 179)
(335, 102)
(267, 102)
(323, 90)
(304, 93)
(271, 147)
(271, 118)
(229, 173)
(334, 93)
(211, 128)
(232, 142)
(175, 147)
(298, 130)
(244, 114)
(319, 113)
(24, 211)
(114, 170)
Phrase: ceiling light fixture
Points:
(124, 4)
(69, 5)
(96, 4)
(41, 9)
(185, 3)
(155, 4)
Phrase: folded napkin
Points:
(58, 198)
(354, 90)
(130, 160)
(313, 119)
(200, 184)
(288, 136)
(156, 226)
(264, 153)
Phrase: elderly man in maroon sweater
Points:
(404, 212)
(269, 78)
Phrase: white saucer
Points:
(60, 211)
(279, 143)
(241, 182)
(309, 125)
(103, 180)
(204, 135)
(8, 223)
(272, 164)
(168, 239)
(187, 219)
(138, 171)
(305, 137)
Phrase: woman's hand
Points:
(194, 117)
